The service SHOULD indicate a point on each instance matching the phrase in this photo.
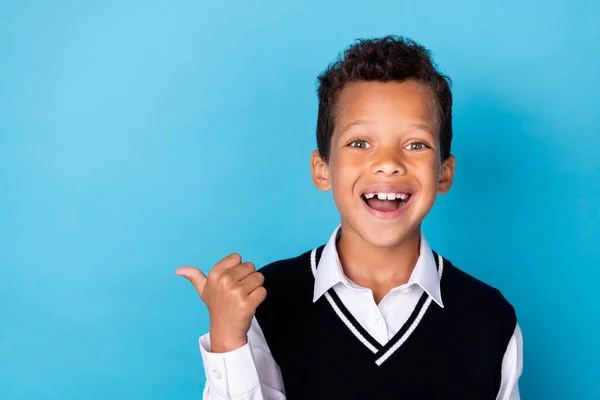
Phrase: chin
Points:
(384, 237)
(387, 241)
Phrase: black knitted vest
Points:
(453, 352)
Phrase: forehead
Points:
(397, 103)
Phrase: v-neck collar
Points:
(331, 273)
(381, 352)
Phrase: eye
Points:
(359, 144)
(416, 146)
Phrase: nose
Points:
(389, 162)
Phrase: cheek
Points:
(342, 182)
(343, 173)
(345, 167)
(429, 174)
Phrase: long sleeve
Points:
(512, 368)
(247, 373)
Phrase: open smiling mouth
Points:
(386, 202)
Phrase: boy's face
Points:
(386, 142)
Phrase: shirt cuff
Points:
(229, 374)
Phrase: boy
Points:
(374, 313)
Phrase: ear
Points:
(447, 175)
(320, 171)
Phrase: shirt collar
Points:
(330, 273)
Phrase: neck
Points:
(378, 268)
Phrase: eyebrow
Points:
(423, 127)
(360, 122)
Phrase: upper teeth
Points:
(387, 196)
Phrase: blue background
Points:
(139, 136)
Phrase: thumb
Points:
(195, 276)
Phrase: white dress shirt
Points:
(251, 373)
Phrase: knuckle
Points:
(212, 279)
(262, 291)
(240, 267)
(243, 268)
(228, 261)
(215, 273)
(226, 280)
(238, 294)
(245, 304)
(235, 258)
(260, 277)
(259, 295)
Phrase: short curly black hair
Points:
(388, 59)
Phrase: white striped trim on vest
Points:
(382, 352)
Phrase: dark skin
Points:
(385, 133)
